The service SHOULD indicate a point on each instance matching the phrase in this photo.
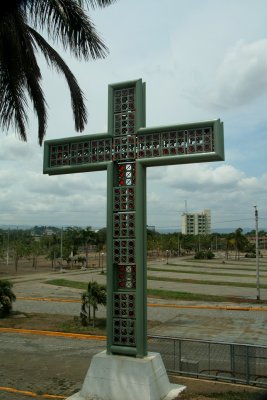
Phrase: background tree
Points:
(52, 250)
(88, 237)
(241, 242)
(36, 249)
(65, 22)
(20, 245)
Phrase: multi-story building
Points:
(196, 223)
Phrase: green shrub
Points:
(204, 255)
(6, 298)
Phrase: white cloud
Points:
(13, 149)
(196, 176)
(241, 77)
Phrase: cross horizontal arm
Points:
(77, 154)
(181, 144)
(165, 145)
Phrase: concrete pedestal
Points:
(115, 377)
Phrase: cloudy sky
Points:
(201, 60)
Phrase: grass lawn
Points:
(163, 294)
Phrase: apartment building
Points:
(196, 223)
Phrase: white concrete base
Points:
(116, 377)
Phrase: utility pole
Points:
(7, 250)
(61, 247)
(257, 252)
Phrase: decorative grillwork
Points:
(124, 148)
(59, 155)
(124, 224)
(124, 124)
(130, 147)
(124, 251)
(124, 198)
(175, 143)
(126, 277)
(101, 150)
(126, 174)
(124, 100)
(80, 152)
(91, 151)
(124, 305)
(124, 331)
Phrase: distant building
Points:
(262, 241)
(196, 223)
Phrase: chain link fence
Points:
(238, 363)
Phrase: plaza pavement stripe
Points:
(231, 308)
(50, 333)
(205, 307)
(57, 300)
(30, 394)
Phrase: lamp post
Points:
(178, 244)
(7, 250)
(61, 249)
(257, 252)
(102, 261)
(167, 255)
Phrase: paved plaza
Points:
(230, 322)
(57, 365)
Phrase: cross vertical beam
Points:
(125, 152)
(126, 322)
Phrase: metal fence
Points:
(238, 363)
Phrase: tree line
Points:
(178, 244)
(74, 244)
(55, 244)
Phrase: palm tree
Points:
(65, 21)
(6, 297)
(96, 294)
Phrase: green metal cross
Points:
(125, 152)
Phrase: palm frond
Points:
(13, 102)
(33, 77)
(67, 22)
(77, 97)
(96, 3)
(19, 74)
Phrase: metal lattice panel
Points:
(124, 198)
(200, 140)
(130, 147)
(80, 152)
(124, 124)
(59, 155)
(124, 331)
(126, 174)
(175, 143)
(124, 100)
(124, 148)
(149, 145)
(126, 277)
(101, 150)
(124, 305)
(124, 251)
(85, 152)
(124, 224)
